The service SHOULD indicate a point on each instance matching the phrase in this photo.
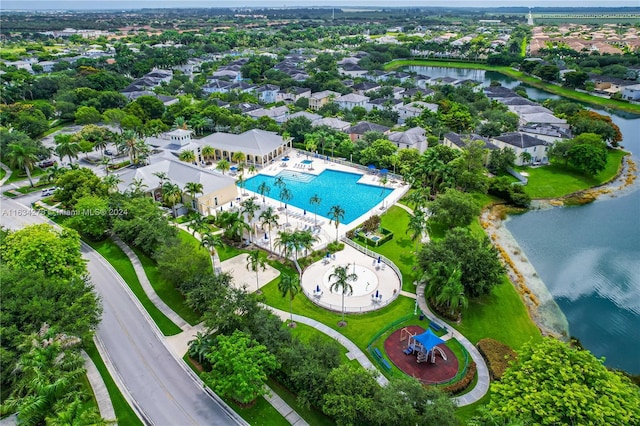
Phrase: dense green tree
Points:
(298, 127)
(88, 115)
(79, 183)
(22, 156)
(91, 217)
(239, 367)
(350, 395)
(501, 159)
(379, 153)
(180, 262)
(454, 208)
(481, 267)
(42, 248)
(575, 79)
(589, 158)
(552, 383)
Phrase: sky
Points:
(134, 4)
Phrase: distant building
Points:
(415, 138)
(524, 143)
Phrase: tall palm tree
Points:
(197, 224)
(66, 145)
(136, 187)
(188, 156)
(383, 180)
(100, 144)
(340, 284)
(111, 182)
(171, 194)
(129, 140)
(252, 168)
(210, 241)
(208, 152)
(303, 240)
(289, 285)
(336, 214)
(269, 218)
(416, 227)
(285, 242)
(452, 293)
(241, 182)
(315, 201)
(249, 207)
(263, 189)
(106, 162)
(255, 261)
(162, 176)
(180, 123)
(234, 225)
(286, 195)
(193, 189)
(238, 157)
(22, 156)
(55, 171)
(223, 166)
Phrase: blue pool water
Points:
(332, 187)
(307, 161)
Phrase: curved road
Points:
(163, 390)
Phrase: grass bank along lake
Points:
(588, 256)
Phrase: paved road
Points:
(162, 387)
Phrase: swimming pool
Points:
(306, 161)
(333, 187)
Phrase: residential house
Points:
(308, 115)
(260, 147)
(459, 142)
(292, 94)
(356, 132)
(546, 132)
(47, 66)
(217, 86)
(411, 93)
(279, 114)
(383, 103)
(414, 109)
(228, 74)
(267, 93)
(609, 85)
(351, 101)
(631, 92)
(364, 87)
(352, 70)
(334, 123)
(319, 99)
(415, 138)
(524, 143)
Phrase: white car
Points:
(48, 191)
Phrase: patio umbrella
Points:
(377, 293)
(328, 255)
(318, 288)
(304, 212)
(379, 259)
(372, 167)
(233, 169)
(265, 236)
(285, 159)
(384, 171)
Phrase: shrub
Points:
(498, 356)
(372, 224)
(334, 247)
(463, 383)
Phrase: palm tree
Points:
(210, 241)
(383, 181)
(162, 176)
(171, 194)
(452, 293)
(111, 182)
(263, 189)
(180, 123)
(22, 156)
(303, 240)
(336, 214)
(136, 187)
(101, 144)
(238, 157)
(208, 152)
(233, 224)
(197, 224)
(129, 140)
(188, 156)
(256, 260)
(193, 189)
(315, 201)
(341, 284)
(289, 284)
(199, 346)
(285, 242)
(286, 195)
(249, 207)
(241, 181)
(252, 168)
(66, 145)
(106, 162)
(416, 226)
(525, 157)
(269, 218)
(223, 166)
(54, 172)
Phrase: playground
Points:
(421, 354)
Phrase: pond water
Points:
(588, 256)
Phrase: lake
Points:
(588, 256)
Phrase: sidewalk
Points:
(482, 386)
(99, 389)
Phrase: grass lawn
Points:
(557, 180)
(167, 292)
(18, 175)
(124, 413)
(518, 75)
(3, 172)
(466, 413)
(311, 415)
(305, 332)
(400, 249)
(500, 315)
(116, 257)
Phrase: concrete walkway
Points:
(283, 408)
(7, 176)
(146, 285)
(482, 386)
(103, 399)
(354, 351)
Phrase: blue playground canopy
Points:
(428, 340)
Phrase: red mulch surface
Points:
(425, 372)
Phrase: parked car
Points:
(108, 152)
(48, 191)
(46, 163)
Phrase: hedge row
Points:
(498, 356)
(463, 383)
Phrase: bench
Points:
(384, 362)
(435, 326)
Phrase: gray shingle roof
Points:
(364, 126)
(520, 140)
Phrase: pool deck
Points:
(293, 218)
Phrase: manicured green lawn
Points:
(305, 332)
(18, 175)
(311, 415)
(167, 292)
(124, 413)
(400, 249)
(116, 257)
(501, 316)
(557, 180)
(3, 172)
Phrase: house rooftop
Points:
(365, 126)
(520, 140)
